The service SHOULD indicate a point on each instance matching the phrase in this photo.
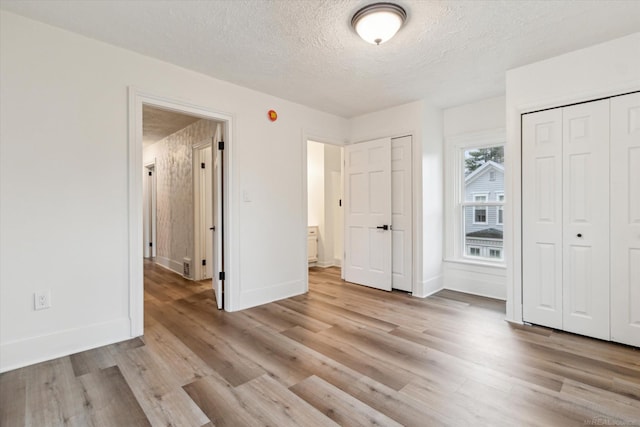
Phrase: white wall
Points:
(601, 70)
(64, 186)
(424, 123)
(173, 157)
(470, 122)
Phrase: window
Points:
(480, 212)
(481, 202)
(474, 197)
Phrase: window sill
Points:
(481, 263)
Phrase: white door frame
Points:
(137, 99)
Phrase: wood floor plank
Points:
(184, 363)
(13, 397)
(332, 314)
(54, 396)
(102, 357)
(341, 407)
(217, 353)
(341, 353)
(222, 403)
(280, 318)
(473, 361)
(463, 411)
(354, 358)
(157, 390)
(110, 401)
(280, 406)
(628, 409)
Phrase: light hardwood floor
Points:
(341, 354)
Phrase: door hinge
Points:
(150, 173)
(221, 275)
(220, 145)
(204, 262)
(340, 202)
(150, 244)
(202, 165)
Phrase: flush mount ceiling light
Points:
(378, 22)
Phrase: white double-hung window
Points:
(475, 201)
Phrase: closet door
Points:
(585, 150)
(625, 219)
(542, 218)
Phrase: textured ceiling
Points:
(449, 52)
(158, 124)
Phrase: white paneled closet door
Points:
(542, 216)
(585, 177)
(625, 219)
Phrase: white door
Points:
(368, 213)
(625, 219)
(218, 219)
(586, 219)
(542, 218)
(401, 240)
(206, 233)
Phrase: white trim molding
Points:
(19, 353)
(138, 98)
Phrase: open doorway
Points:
(222, 151)
(182, 195)
(324, 209)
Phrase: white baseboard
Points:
(272, 293)
(324, 264)
(28, 351)
(428, 287)
(170, 265)
(474, 291)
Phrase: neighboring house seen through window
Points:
(480, 212)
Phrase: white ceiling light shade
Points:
(378, 22)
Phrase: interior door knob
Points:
(383, 227)
(579, 234)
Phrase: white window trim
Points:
(484, 206)
(500, 208)
(454, 246)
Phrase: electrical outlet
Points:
(42, 300)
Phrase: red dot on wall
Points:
(273, 116)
